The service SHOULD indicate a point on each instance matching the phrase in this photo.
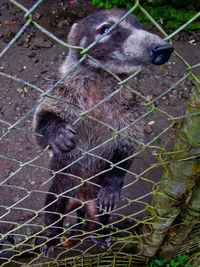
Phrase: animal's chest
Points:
(108, 124)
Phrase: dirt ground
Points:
(34, 58)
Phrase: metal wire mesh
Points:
(24, 166)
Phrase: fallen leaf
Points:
(64, 240)
(10, 22)
(151, 122)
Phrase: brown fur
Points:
(117, 112)
(110, 133)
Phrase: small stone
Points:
(167, 102)
(8, 36)
(192, 42)
(23, 90)
(8, 171)
(41, 43)
(20, 42)
(185, 94)
(151, 123)
(148, 129)
(43, 71)
(32, 55)
(16, 199)
(149, 97)
(26, 45)
(179, 96)
(38, 15)
(174, 92)
(173, 101)
(64, 23)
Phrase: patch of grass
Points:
(171, 14)
(179, 261)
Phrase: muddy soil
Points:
(34, 58)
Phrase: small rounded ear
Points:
(72, 34)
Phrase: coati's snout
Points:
(160, 54)
(124, 49)
(143, 48)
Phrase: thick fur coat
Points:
(106, 132)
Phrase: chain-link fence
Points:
(29, 55)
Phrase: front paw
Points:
(102, 242)
(44, 246)
(109, 197)
(47, 250)
(63, 139)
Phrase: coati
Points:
(89, 156)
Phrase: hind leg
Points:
(53, 222)
(55, 208)
(76, 229)
(96, 225)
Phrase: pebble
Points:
(174, 92)
(185, 94)
(16, 199)
(148, 129)
(20, 42)
(26, 45)
(38, 15)
(32, 55)
(40, 42)
(23, 90)
(167, 102)
(8, 36)
(149, 97)
(173, 101)
(151, 123)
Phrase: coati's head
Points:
(125, 49)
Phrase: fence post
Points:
(178, 179)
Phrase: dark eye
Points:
(104, 29)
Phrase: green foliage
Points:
(157, 262)
(172, 14)
(180, 260)
(113, 3)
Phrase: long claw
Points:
(47, 250)
(110, 208)
(108, 198)
(102, 242)
(100, 207)
(107, 209)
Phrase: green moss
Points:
(113, 3)
(180, 260)
(171, 16)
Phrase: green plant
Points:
(156, 262)
(180, 260)
(113, 3)
(169, 13)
